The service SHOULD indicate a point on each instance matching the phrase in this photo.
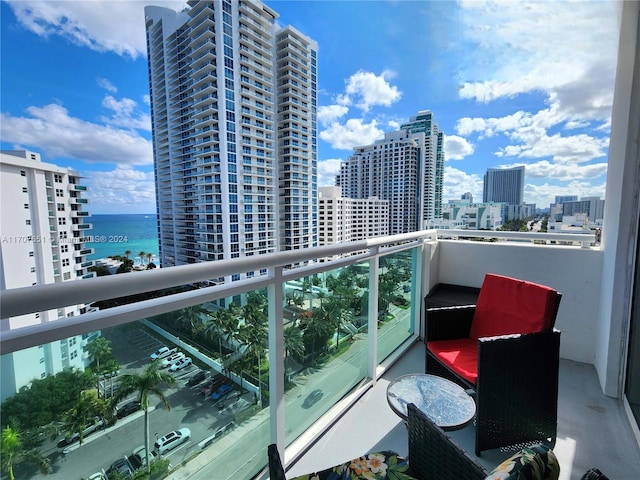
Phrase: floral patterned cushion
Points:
(372, 466)
(537, 462)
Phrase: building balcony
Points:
(372, 345)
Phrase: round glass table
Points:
(443, 401)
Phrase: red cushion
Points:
(507, 305)
(460, 355)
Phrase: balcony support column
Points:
(276, 359)
(374, 271)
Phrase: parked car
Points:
(162, 352)
(229, 399)
(121, 467)
(95, 424)
(312, 398)
(221, 392)
(98, 476)
(171, 440)
(127, 408)
(196, 378)
(180, 364)
(171, 359)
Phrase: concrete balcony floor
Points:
(593, 430)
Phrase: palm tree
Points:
(99, 348)
(127, 253)
(148, 383)
(149, 258)
(293, 344)
(14, 448)
(224, 323)
(192, 317)
(142, 254)
(82, 413)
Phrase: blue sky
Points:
(509, 83)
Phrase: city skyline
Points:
(506, 83)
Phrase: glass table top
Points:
(444, 402)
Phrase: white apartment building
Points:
(343, 219)
(43, 228)
(402, 169)
(472, 216)
(234, 106)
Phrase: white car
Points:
(171, 359)
(171, 440)
(180, 364)
(162, 352)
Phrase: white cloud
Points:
(330, 113)
(523, 47)
(327, 171)
(107, 85)
(544, 195)
(565, 172)
(370, 89)
(353, 133)
(456, 183)
(456, 148)
(121, 190)
(58, 134)
(126, 114)
(102, 25)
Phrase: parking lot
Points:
(191, 408)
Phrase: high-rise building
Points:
(402, 168)
(233, 103)
(433, 157)
(591, 206)
(342, 219)
(44, 228)
(504, 185)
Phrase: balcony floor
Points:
(593, 430)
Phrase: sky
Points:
(509, 83)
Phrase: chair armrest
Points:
(433, 455)
(448, 323)
(517, 389)
(276, 470)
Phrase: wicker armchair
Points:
(505, 349)
(433, 455)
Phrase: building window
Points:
(65, 262)
(27, 222)
(57, 178)
(59, 192)
(41, 359)
(31, 254)
(26, 205)
(67, 275)
(60, 207)
(23, 173)
(24, 189)
(62, 221)
(33, 269)
(64, 248)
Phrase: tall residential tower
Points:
(233, 103)
(44, 227)
(504, 185)
(405, 168)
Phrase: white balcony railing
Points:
(423, 258)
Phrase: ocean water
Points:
(115, 234)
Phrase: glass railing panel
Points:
(396, 303)
(210, 381)
(325, 342)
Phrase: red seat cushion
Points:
(460, 355)
(507, 305)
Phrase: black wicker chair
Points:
(514, 373)
(433, 455)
